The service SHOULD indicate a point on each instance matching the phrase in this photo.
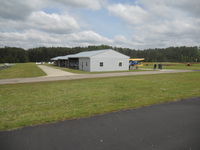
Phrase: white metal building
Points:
(99, 60)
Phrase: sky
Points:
(137, 24)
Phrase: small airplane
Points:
(136, 62)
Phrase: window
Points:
(120, 64)
(86, 63)
(101, 64)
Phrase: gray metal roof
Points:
(61, 57)
(84, 54)
(65, 57)
(56, 58)
(91, 53)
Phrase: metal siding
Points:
(82, 64)
(110, 61)
(109, 64)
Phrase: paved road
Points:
(52, 72)
(85, 76)
(171, 126)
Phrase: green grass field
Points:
(21, 70)
(169, 65)
(36, 103)
(147, 65)
(85, 72)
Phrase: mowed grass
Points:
(85, 72)
(168, 65)
(21, 70)
(36, 103)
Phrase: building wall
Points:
(84, 64)
(109, 64)
(111, 60)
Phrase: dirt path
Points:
(85, 76)
(52, 72)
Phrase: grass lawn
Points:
(21, 70)
(36, 103)
(168, 65)
(85, 72)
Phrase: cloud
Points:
(146, 23)
(130, 13)
(10, 11)
(160, 23)
(89, 37)
(122, 41)
(35, 38)
(21, 9)
(28, 26)
(191, 7)
(91, 4)
(167, 33)
(18, 10)
(52, 23)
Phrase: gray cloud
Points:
(92, 4)
(131, 13)
(152, 23)
(161, 23)
(34, 38)
(12, 9)
(187, 6)
(19, 9)
(52, 23)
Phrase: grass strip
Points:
(36, 103)
(21, 70)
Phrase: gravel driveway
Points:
(67, 76)
(52, 72)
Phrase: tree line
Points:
(44, 54)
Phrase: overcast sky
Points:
(137, 24)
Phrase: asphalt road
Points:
(171, 126)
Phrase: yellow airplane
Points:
(136, 61)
